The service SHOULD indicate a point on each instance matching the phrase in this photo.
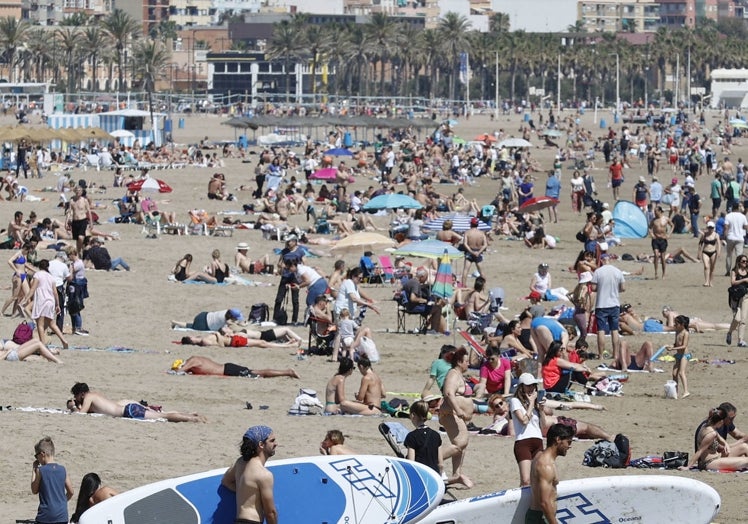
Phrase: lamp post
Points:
(618, 84)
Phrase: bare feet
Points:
(292, 373)
(686, 394)
(461, 479)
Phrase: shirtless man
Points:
(334, 444)
(79, 218)
(17, 229)
(658, 230)
(268, 335)
(86, 401)
(371, 392)
(221, 339)
(544, 478)
(251, 480)
(197, 365)
(475, 243)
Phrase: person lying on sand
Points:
(86, 401)
(240, 340)
(197, 365)
(268, 335)
(13, 352)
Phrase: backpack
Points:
(23, 333)
(603, 454)
(624, 449)
(259, 313)
(730, 192)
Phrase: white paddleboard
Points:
(350, 489)
(639, 499)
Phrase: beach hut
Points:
(137, 122)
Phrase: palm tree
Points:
(12, 36)
(150, 58)
(94, 42)
(359, 53)
(285, 44)
(318, 42)
(121, 27)
(165, 30)
(381, 30)
(454, 31)
(67, 38)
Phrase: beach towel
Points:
(653, 326)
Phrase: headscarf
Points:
(258, 434)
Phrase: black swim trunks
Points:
(246, 521)
(78, 228)
(134, 411)
(659, 244)
(235, 370)
(268, 335)
(533, 516)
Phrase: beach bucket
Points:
(671, 389)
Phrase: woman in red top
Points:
(557, 370)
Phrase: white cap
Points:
(606, 205)
(710, 224)
(526, 379)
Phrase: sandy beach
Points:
(134, 309)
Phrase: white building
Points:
(320, 7)
(729, 88)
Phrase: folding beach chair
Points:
(388, 270)
(394, 433)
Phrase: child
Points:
(423, 443)
(51, 482)
(682, 355)
(346, 334)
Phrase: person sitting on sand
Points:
(641, 361)
(86, 401)
(334, 444)
(197, 365)
(246, 265)
(629, 322)
(182, 271)
(335, 401)
(13, 352)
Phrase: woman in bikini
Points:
(455, 412)
(21, 267)
(680, 346)
(182, 271)
(512, 340)
(13, 352)
(335, 390)
(713, 451)
(709, 248)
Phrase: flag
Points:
(464, 68)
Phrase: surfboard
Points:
(350, 489)
(603, 500)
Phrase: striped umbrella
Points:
(460, 223)
(443, 286)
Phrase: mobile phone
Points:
(541, 396)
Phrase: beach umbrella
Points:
(149, 184)
(537, 204)
(328, 173)
(364, 241)
(460, 223)
(553, 133)
(338, 151)
(122, 133)
(392, 201)
(443, 286)
(485, 137)
(240, 123)
(739, 125)
(629, 220)
(459, 141)
(515, 142)
(430, 249)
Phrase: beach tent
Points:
(630, 221)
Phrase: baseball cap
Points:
(237, 314)
(474, 222)
(526, 379)
(642, 179)
(710, 224)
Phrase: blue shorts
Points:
(607, 318)
(134, 411)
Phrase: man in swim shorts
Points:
(660, 229)
(86, 401)
(197, 365)
(544, 477)
(79, 218)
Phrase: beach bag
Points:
(306, 403)
(675, 459)
(23, 333)
(592, 325)
(397, 407)
(735, 294)
(259, 313)
(603, 454)
(367, 347)
(581, 236)
(281, 316)
(624, 449)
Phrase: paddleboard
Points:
(350, 489)
(603, 500)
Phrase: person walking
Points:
(292, 252)
(735, 227)
(544, 477)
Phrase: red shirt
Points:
(616, 171)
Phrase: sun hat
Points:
(642, 179)
(585, 277)
(241, 246)
(526, 379)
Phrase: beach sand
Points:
(134, 309)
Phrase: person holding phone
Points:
(527, 420)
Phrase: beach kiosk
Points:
(136, 122)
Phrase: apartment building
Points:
(633, 16)
(52, 12)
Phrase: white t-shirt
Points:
(608, 280)
(216, 320)
(346, 291)
(307, 274)
(735, 223)
(522, 431)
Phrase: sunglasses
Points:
(497, 404)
